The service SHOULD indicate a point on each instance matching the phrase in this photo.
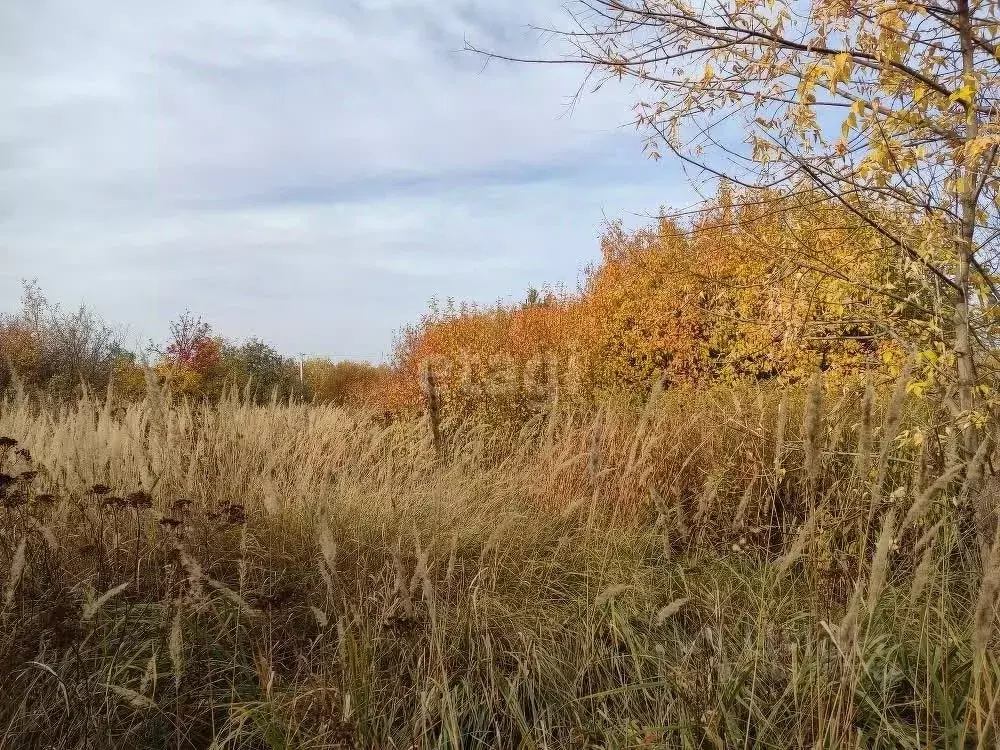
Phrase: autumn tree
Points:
(754, 285)
(496, 354)
(258, 369)
(640, 310)
(887, 107)
(190, 365)
(189, 337)
(47, 346)
(789, 285)
(346, 383)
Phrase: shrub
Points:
(756, 286)
(47, 347)
(346, 382)
(258, 367)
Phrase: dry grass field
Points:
(731, 568)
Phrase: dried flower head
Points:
(171, 524)
(275, 600)
(402, 625)
(139, 499)
(234, 513)
(15, 500)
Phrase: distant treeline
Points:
(752, 286)
(46, 349)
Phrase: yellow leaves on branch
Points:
(835, 70)
(966, 95)
(840, 69)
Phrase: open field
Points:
(719, 569)
(722, 474)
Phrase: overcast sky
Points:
(310, 172)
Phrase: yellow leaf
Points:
(964, 95)
(840, 70)
(849, 122)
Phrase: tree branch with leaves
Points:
(887, 107)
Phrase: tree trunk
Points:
(968, 176)
(968, 193)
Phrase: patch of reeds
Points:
(695, 573)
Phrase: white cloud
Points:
(311, 172)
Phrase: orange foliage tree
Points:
(758, 285)
(790, 285)
(348, 383)
(60, 351)
(500, 356)
(191, 363)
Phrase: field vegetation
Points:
(737, 489)
(676, 508)
(740, 566)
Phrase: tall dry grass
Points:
(731, 568)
